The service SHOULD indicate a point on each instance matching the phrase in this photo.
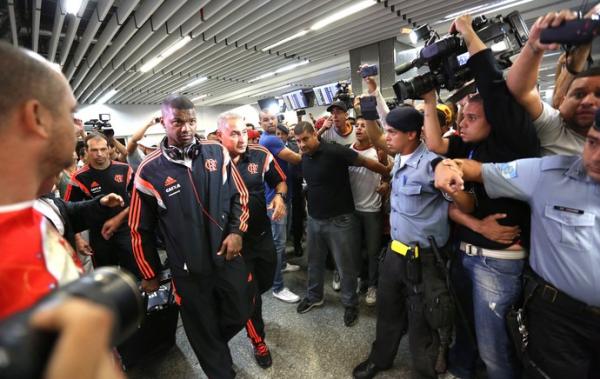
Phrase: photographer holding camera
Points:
(561, 131)
(495, 128)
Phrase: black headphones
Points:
(191, 151)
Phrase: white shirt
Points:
(364, 183)
(556, 138)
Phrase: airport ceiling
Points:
(223, 51)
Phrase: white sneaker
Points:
(286, 295)
(290, 268)
(371, 297)
(336, 284)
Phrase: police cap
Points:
(405, 119)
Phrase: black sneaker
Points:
(365, 370)
(350, 316)
(306, 305)
(262, 355)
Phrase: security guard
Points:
(410, 281)
(563, 293)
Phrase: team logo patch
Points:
(169, 181)
(119, 178)
(508, 170)
(210, 165)
(94, 184)
(253, 168)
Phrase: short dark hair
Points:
(475, 98)
(26, 76)
(95, 135)
(590, 71)
(304, 126)
(176, 102)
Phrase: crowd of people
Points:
(448, 219)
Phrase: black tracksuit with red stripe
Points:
(257, 167)
(196, 199)
(88, 183)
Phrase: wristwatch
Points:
(283, 195)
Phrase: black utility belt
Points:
(553, 295)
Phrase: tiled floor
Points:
(311, 345)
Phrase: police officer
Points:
(563, 293)
(410, 281)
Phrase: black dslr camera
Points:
(344, 95)
(101, 124)
(447, 57)
(24, 351)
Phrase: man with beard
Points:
(37, 105)
(111, 240)
(256, 167)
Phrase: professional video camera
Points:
(343, 94)
(101, 124)
(447, 57)
(24, 351)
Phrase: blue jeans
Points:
(486, 288)
(279, 238)
(370, 224)
(341, 236)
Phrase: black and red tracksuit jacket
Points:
(196, 203)
(88, 183)
(257, 166)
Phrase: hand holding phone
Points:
(368, 70)
(368, 107)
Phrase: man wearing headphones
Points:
(190, 189)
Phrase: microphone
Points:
(402, 68)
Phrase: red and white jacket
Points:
(34, 258)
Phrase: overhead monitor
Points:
(324, 94)
(295, 100)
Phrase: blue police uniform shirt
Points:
(418, 208)
(565, 206)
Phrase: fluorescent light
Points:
(193, 83)
(272, 90)
(165, 53)
(263, 76)
(291, 66)
(551, 75)
(499, 46)
(342, 14)
(200, 97)
(106, 96)
(273, 108)
(487, 8)
(279, 70)
(72, 6)
(288, 39)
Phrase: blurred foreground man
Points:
(37, 108)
